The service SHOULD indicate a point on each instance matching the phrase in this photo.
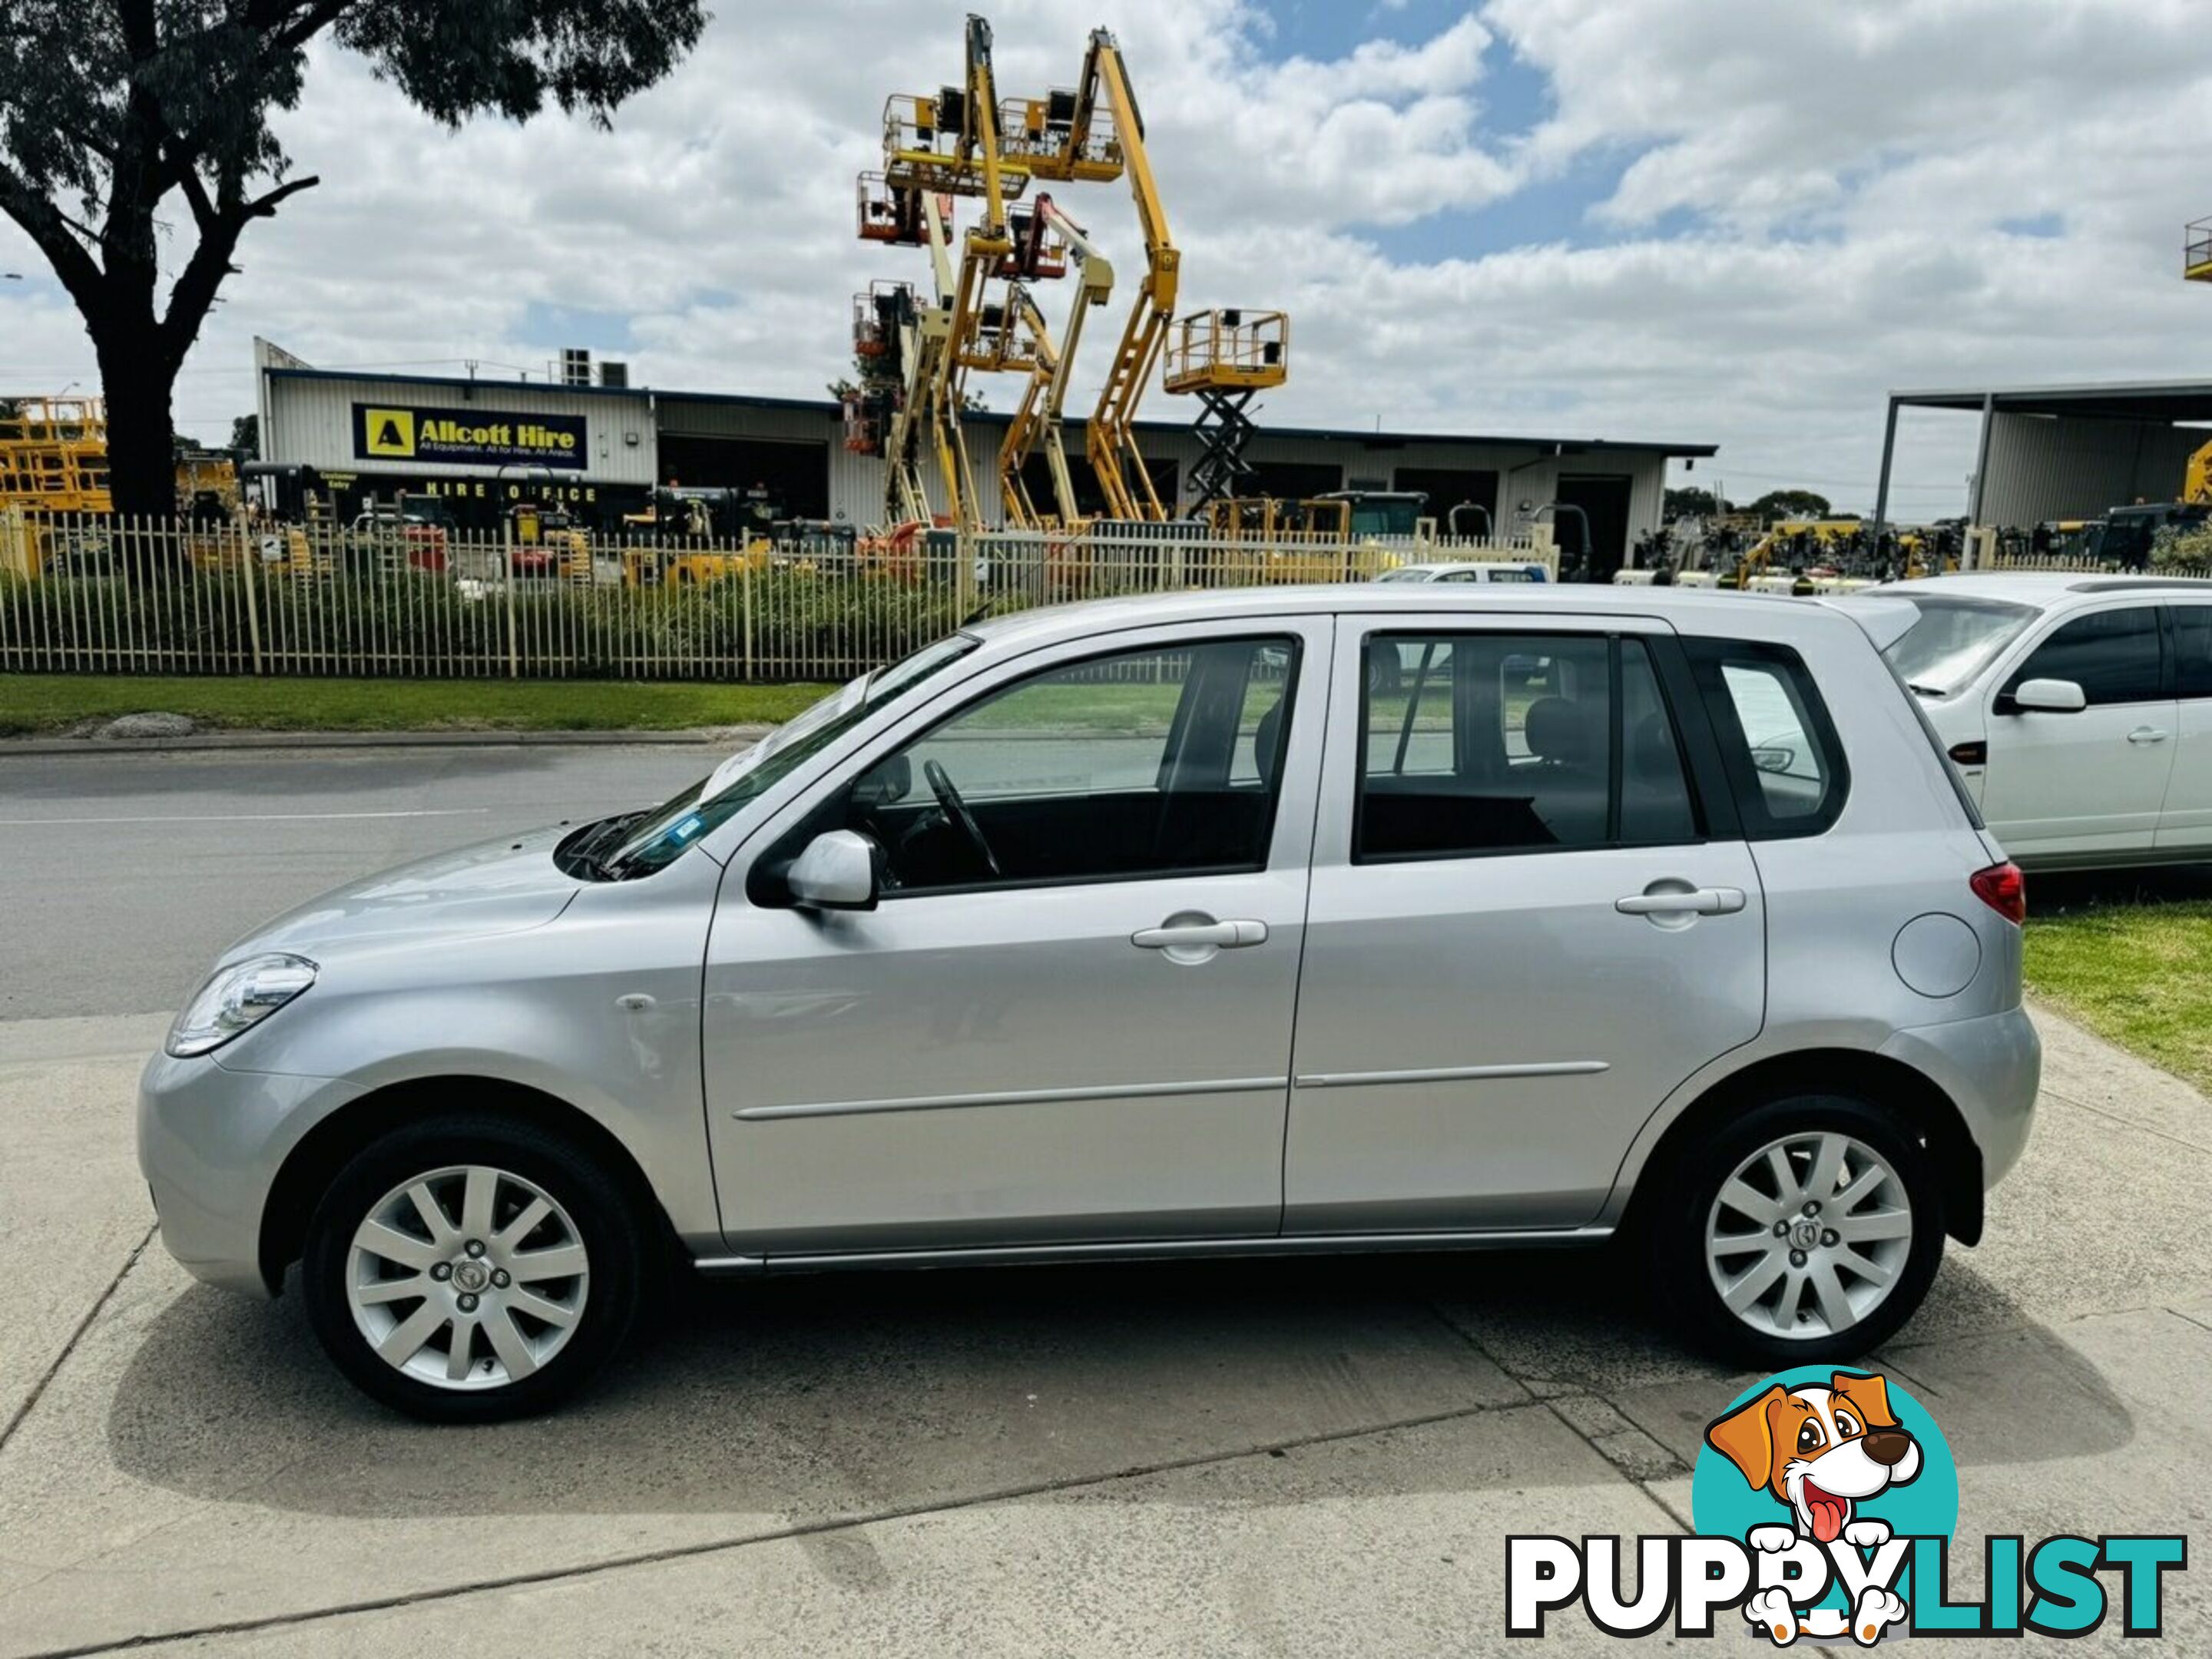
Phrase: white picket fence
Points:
(108, 595)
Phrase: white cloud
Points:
(1813, 205)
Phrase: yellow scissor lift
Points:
(1225, 358)
(53, 462)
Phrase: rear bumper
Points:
(1990, 1068)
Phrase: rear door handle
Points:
(1221, 935)
(2143, 734)
(1698, 901)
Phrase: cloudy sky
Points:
(1738, 222)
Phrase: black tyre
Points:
(470, 1268)
(1805, 1230)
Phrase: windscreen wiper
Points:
(604, 839)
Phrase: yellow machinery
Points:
(53, 464)
(53, 456)
(2196, 478)
(2196, 267)
(966, 143)
(1096, 133)
(936, 149)
(2197, 251)
(1816, 536)
(1036, 421)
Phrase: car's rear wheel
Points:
(1804, 1231)
(472, 1269)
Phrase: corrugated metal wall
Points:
(2045, 466)
(310, 420)
(1527, 474)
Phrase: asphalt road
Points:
(122, 875)
(1281, 1458)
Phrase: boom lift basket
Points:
(1039, 249)
(924, 149)
(887, 215)
(1041, 133)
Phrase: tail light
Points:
(2004, 890)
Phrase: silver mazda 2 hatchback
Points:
(1365, 918)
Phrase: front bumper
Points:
(210, 1142)
(1990, 1068)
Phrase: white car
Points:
(2077, 709)
(1466, 570)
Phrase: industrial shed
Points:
(2067, 452)
(598, 449)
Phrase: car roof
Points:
(2046, 590)
(1462, 565)
(1696, 611)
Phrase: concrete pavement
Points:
(1295, 1457)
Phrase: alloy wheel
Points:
(1809, 1235)
(467, 1277)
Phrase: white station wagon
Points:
(2077, 708)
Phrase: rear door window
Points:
(2193, 650)
(1479, 743)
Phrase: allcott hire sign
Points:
(467, 437)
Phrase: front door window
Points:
(1140, 765)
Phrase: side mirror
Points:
(2048, 697)
(838, 872)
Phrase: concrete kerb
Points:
(729, 736)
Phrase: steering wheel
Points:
(956, 811)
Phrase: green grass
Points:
(33, 703)
(2140, 974)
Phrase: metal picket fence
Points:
(112, 595)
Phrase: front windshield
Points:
(1954, 640)
(657, 838)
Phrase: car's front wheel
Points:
(1803, 1231)
(466, 1269)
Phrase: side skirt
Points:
(1159, 1251)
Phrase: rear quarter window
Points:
(1784, 763)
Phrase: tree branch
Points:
(193, 294)
(265, 206)
(188, 180)
(303, 28)
(47, 226)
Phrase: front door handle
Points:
(2145, 734)
(1690, 901)
(1200, 935)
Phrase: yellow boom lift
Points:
(1097, 132)
(1036, 422)
(936, 149)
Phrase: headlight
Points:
(235, 998)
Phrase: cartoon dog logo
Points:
(1821, 1453)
